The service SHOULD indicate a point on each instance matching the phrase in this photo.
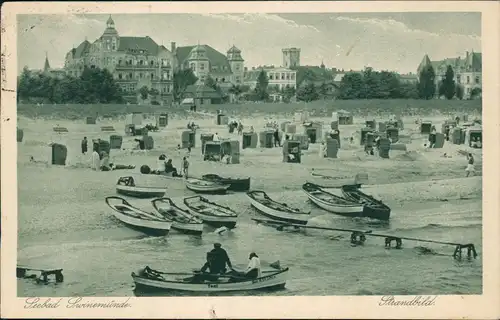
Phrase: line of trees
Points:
(93, 86)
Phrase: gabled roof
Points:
(215, 58)
(81, 49)
(201, 91)
(145, 43)
(425, 62)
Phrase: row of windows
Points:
(281, 86)
(282, 76)
(459, 78)
(132, 87)
(130, 76)
(133, 62)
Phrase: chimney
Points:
(172, 47)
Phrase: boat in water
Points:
(235, 184)
(203, 186)
(126, 186)
(149, 279)
(211, 212)
(331, 202)
(275, 210)
(136, 218)
(182, 220)
(373, 208)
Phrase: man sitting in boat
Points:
(203, 275)
(221, 258)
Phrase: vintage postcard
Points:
(250, 160)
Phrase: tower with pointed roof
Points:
(110, 38)
(46, 66)
(236, 62)
(199, 63)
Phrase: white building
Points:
(278, 78)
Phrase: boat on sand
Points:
(149, 279)
(235, 184)
(136, 218)
(182, 220)
(203, 186)
(331, 202)
(275, 210)
(126, 186)
(372, 207)
(211, 212)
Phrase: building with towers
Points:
(468, 71)
(291, 57)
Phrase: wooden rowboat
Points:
(182, 220)
(136, 218)
(331, 202)
(126, 186)
(149, 279)
(211, 213)
(235, 184)
(275, 210)
(372, 207)
(203, 186)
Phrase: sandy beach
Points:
(63, 219)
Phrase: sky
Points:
(383, 41)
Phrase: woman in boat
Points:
(253, 270)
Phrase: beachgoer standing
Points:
(277, 142)
(470, 165)
(96, 161)
(84, 145)
(216, 137)
(185, 167)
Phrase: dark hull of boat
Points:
(145, 290)
(375, 209)
(218, 224)
(273, 217)
(140, 194)
(237, 185)
(187, 231)
(148, 231)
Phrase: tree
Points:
(261, 87)
(182, 79)
(351, 86)
(236, 91)
(426, 87)
(210, 82)
(307, 93)
(288, 93)
(475, 93)
(447, 87)
(144, 92)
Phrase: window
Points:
(202, 66)
(271, 76)
(130, 75)
(477, 79)
(468, 79)
(152, 62)
(238, 80)
(458, 79)
(287, 76)
(163, 62)
(168, 88)
(119, 76)
(193, 67)
(140, 75)
(223, 79)
(237, 67)
(201, 101)
(141, 62)
(152, 76)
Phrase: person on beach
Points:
(277, 142)
(240, 128)
(96, 160)
(432, 137)
(185, 167)
(161, 164)
(252, 130)
(84, 145)
(216, 137)
(470, 165)
(322, 150)
(169, 168)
